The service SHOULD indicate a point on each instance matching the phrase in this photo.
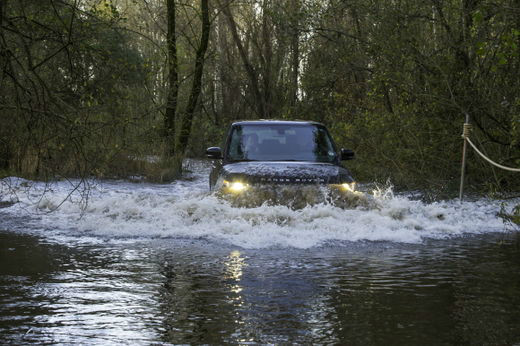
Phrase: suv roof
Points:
(276, 122)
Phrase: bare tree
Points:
(173, 79)
(196, 86)
(250, 70)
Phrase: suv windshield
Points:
(276, 142)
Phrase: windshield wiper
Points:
(289, 160)
(243, 160)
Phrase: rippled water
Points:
(143, 263)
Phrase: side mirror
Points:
(346, 154)
(214, 153)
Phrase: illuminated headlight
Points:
(235, 186)
(349, 186)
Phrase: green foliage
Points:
(84, 88)
(395, 80)
(73, 101)
(510, 218)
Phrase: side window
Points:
(235, 145)
(324, 146)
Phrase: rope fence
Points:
(465, 136)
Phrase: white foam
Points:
(186, 210)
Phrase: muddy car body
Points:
(270, 160)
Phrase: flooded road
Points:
(170, 264)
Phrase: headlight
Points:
(235, 186)
(349, 186)
(346, 187)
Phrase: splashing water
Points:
(186, 210)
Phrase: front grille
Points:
(294, 196)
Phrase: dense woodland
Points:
(105, 87)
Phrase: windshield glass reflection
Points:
(281, 143)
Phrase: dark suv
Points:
(270, 156)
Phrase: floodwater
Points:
(122, 262)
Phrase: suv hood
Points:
(267, 172)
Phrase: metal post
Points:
(463, 168)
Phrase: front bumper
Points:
(241, 194)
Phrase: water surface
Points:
(143, 263)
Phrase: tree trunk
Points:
(251, 72)
(4, 59)
(3, 48)
(268, 61)
(187, 119)
(295, 53)
(173, 79)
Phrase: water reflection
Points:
(93, 296)
(235, 263)
(194, 299)
(457, 292)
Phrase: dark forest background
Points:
(119, 88)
